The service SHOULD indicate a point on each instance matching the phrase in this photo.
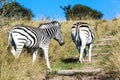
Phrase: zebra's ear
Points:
(56, 23)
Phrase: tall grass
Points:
(22, 69)
(111, 63)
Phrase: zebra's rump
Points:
(86, 34)
(82, 24)
(24, 36)
(82, 31)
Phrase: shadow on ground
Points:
(69, 60)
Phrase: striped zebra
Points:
(82, 35)
(25, 36)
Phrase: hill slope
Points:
(61, 57)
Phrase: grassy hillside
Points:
(61, 57)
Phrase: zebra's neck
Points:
(51, 32)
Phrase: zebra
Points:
(82, 35)
(26, 36)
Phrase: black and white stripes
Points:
(83, 36)
(26, 36)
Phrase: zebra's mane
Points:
(49, 25)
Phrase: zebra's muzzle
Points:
(62, 43)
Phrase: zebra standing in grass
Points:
(29, 37)
(83, 36)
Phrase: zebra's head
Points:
(58, 35)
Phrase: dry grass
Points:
(22, 69)
(111, 63)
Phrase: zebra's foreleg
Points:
(47, 57)
(35, 55)
(89, 52)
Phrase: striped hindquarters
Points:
(85, 32)
(24, 36)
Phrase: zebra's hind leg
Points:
(13, 52)
(35, 55)
(16, 52)
(89, 52)
(85, 53)
(81, 59)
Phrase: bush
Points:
(79, 12)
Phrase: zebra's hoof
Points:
(80, 61)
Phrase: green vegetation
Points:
(62, 57)
(15, 10)
(81, 12)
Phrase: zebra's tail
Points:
(10, 41)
